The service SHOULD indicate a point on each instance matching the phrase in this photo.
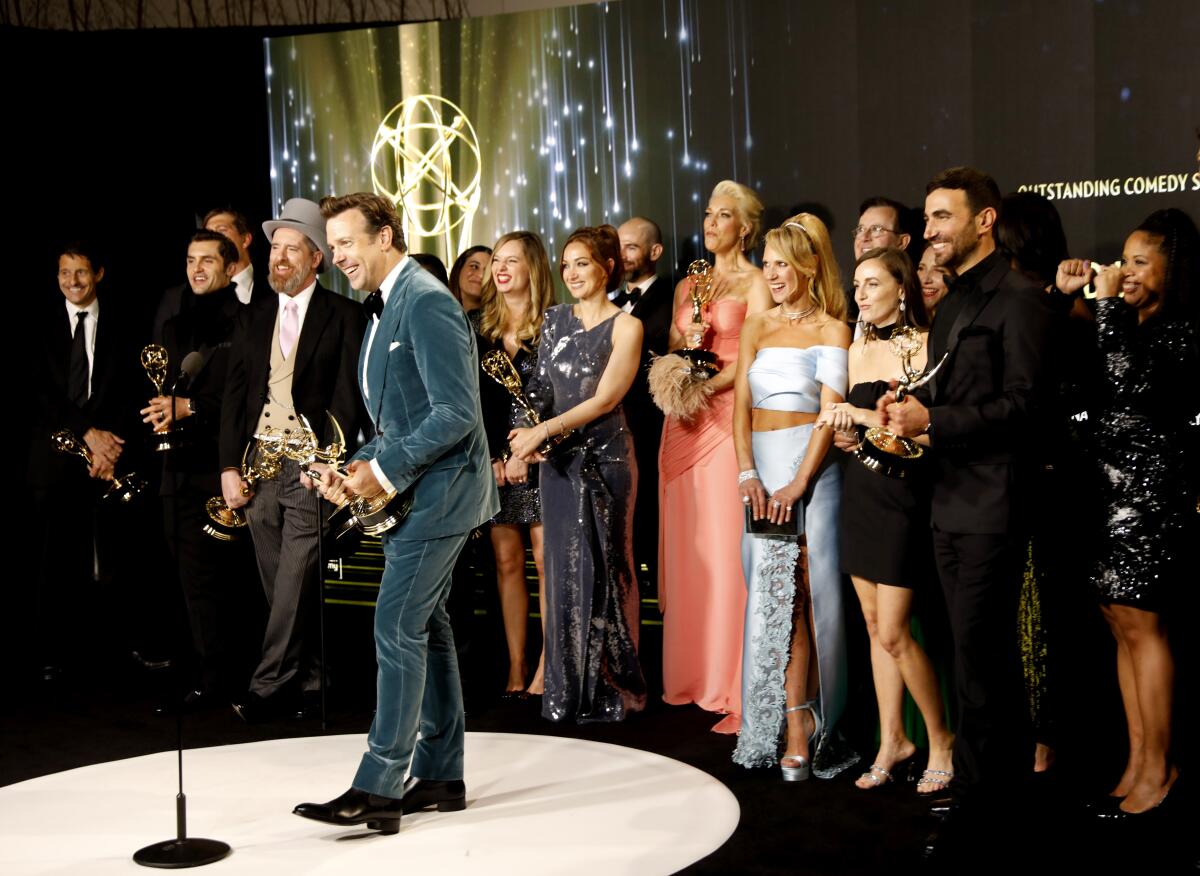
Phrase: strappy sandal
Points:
(804, 770)
(873, 773)
(940, 779)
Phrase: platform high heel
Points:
(803, 771)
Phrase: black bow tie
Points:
(627, 296)
(374, 304)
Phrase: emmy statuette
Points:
(154, 360)
(881, 450)
(123, 490)
(500, 368)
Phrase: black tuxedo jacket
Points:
(989, 401)
(654, 309)
(114, 400)
(325, 376)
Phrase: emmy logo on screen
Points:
(500, 368)
(154, 360)
(426, 159)
(261, 460)
(881, 450)
(123, 490)
(374, 515)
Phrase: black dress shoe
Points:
(949, 839)
(255, 709)
(941, 807)
(448, 796)
(357, 807)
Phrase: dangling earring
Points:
(902, 304)
(742, 242)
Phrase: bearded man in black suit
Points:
(294, 354)
(981, 415)
(648, 297)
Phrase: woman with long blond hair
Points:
(513, 300)
(791, 364)
(700, 590)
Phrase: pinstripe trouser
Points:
(283, 518)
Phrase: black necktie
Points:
(374, 304)
(77, 372)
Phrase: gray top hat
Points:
(304, 216)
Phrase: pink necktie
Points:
(289, 329)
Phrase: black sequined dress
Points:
(519, 503)
(1146, 448)
(588, 487)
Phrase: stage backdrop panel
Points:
(580, 115)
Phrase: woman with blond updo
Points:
(701, 592)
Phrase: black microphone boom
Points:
(188, 368)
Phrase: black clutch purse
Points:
(793, 528)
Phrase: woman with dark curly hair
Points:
(1145, 445)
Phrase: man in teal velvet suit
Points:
(420, 382)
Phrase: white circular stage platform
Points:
(535, 804)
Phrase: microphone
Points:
(188, 368)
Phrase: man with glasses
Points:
(881, 222)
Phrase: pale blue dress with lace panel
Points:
(790, 379)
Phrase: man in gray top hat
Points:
(293, 353)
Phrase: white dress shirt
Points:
(243, 282)
(386, 288)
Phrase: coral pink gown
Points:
(700, 537)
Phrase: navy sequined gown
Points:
(1145, 445)
(588, 487)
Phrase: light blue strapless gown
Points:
(790, 379)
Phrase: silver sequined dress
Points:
(588, 487)
(1145, 445)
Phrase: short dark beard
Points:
(643, 271)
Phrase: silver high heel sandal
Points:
(804, 770)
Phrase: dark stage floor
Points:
(106, 713)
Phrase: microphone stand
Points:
(321, 601)
(183, 851)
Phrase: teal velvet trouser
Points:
(418, 687)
